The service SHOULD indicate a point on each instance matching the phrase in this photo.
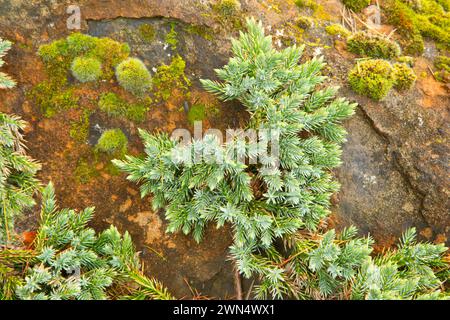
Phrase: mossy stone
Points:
(373, 78)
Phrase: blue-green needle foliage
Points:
(6, 81)
(271, 202)
(263, 202)
(69, 261)
(17, 175)
(412, 271)
(279, 93)
(341, 266)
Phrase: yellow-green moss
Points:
(52, 52)
(293, 34)
(112, 142)
(51, 99)
(372, 45)
(133, 76)
(227, 8)
(404, 76)
(442, 64)
(373, 78)
(228, 13)
(311, 4)
(203, 31)
(147, 32)
(114, 106)
(337, 30)
(136, 111)
(86, 69)
(408, 60)
(111, 104)
(79, 43)
(427, 18)
(89, 58)
(304, 22)
(435, 28)
(79, 130)
(85, 171)
(197, 113)
(170, 77)
(445, 4)
(57, 59)
(356, 5)
(59, 54)
(172, 37)
(110, 53)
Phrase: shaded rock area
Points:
(395, 162)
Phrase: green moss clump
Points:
(133, 76)
(356, 5)
(89, 58)
(292, 34)
(227, 8)
(337, 30)
(136, 112)
(434, 28)
(170, 77)
(414, 44)
(228, 14)
(427, 18)
(147, 32)
(445, 4)
(406, 59)
(54, 52)
(114, 106)
(112, 142)
(52, 99)
(172, 37)
(373, 78)
(111, 104)
(203, 31)
(442, 64)
(371, 45)
(304, 22)
(79, 43)
(86, 69)
(110, 53)
(404, 76)
(59, 54)
(197, 113)
(311, 4)
(401, 15)
(79, 130)
(57, 60)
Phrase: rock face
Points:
(395, 168)
(395, 162)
